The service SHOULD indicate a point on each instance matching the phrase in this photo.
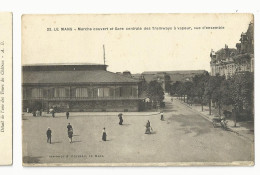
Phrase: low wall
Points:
(88, 106)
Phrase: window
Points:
(100, 92)
(126, 91)
(37, 93)
(81, 92)
(59, 92)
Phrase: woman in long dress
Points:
(104, 134)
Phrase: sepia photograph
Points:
(138, 90)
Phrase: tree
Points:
(212, 90)
(143, 86)
(155, 92)
(167, 80)
(199, 84)
(187, 88)
(242, 87)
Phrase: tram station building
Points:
(78, 88)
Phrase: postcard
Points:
(138, 90)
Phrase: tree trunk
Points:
(209, 107)
(234, 116)
(219, 110)
(201, 104)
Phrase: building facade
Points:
(78, 88)
(228, 61)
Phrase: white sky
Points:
(136, 51)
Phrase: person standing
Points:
(37, 113)
(53, 113)
(34, 113)
(67, 114)
(69, 127)
(70, 134)
(104, 135)
(120, 118)
(48, 133)
(162, 117)
(148, 128)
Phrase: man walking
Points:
(48, 133)
(69, 127)
(70, 134)
(67, 114)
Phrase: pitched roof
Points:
(76, 77)
(174, 75)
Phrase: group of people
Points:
(37, 113)
(70, 133)
(148, 127)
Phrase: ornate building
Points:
(228, 61)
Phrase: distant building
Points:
(78, 87)
(171, 76)
(228, 61)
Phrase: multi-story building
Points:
(228, 61)
(72, 87)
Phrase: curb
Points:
(207, 118)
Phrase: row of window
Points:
(63, 92)
(231, 69)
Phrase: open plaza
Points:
(183, 136)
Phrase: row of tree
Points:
(154, 91)
(237, 91)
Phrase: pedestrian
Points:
(171, 99)
(104, 135)
(34, 113)
(148, 128)
(48, 133)
(120, 118)
(70, 134)
(162, 117)
(69, 127)
(67, 114)
(53, 113)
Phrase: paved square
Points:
(184, 136)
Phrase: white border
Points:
(19, 7)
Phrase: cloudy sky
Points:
(133, 50)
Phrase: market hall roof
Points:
(71, 74)
(76, 77)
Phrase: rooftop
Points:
(74, 77)
(174, 72)
(63, 67)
